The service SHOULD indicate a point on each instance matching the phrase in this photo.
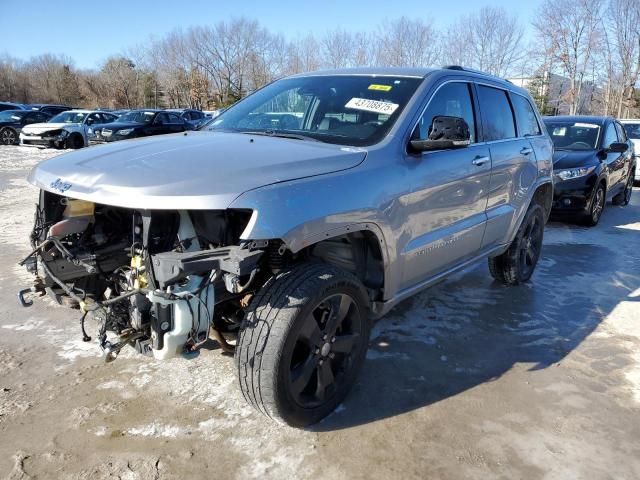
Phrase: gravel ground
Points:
(467, 380)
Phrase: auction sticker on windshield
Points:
(374, 106)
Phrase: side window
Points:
(42, 117)
(496, 113)
(610, 136)
(161, 119)
(173, 118)
(452, 100)
(525, 116)
(93, 119)
(622, 135)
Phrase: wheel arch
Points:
(358, 248)
(543, 196)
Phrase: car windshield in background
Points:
(633, 130)
(573, 135)
(10, 116)
(341, 109)
(136, 117)
(68, 117)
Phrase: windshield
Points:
(10, 116)
(633, 130)
(345, 110)
(569, 135)
(136, 117)
(68, 117)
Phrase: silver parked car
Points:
(68, 129)
(305, 210)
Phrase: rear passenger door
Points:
(627, 157)
(614, 160)
(445, 211)
(514, 168)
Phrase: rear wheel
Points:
(8, 136)
(597, 207)
(518, 263)
(303, 342)
(624, 197)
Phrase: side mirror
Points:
(445, 132)
(618, 147)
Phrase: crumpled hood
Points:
(573, 159)
(40, 128)
(198, 170)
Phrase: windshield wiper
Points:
(274, 133)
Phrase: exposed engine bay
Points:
(161, 281)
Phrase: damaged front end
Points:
(162, 281)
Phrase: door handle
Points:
(526, 151)
(479, 161)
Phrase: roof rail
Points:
(471, 70)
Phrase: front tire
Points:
(8, 136)
(302, 343)
(75, 141)
(597, 206)
(517, 264)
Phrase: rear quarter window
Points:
(526, 119)
(497, 115)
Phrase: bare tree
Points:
(337, 48)
(489, 40)
(407, 43)
(569, 30)
(624, 18)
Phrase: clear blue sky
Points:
(90, 31)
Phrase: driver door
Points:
(446, 209)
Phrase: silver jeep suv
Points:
(302, 212)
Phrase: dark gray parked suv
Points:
(313, 205)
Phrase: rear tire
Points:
(624, 197)
(302, 343)
(517, 264)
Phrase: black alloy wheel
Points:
(324, 349)
(597, 206)
(302, 343)
(530, 245)
(8, 136)
(517, 264)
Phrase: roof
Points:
(630, 120)
(84, 110)
(413, 73)
(378, 71)
(597, 119)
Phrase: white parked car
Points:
(70, 129)
(632, 126)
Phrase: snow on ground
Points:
(466, 380)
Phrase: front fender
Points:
(306, 211)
